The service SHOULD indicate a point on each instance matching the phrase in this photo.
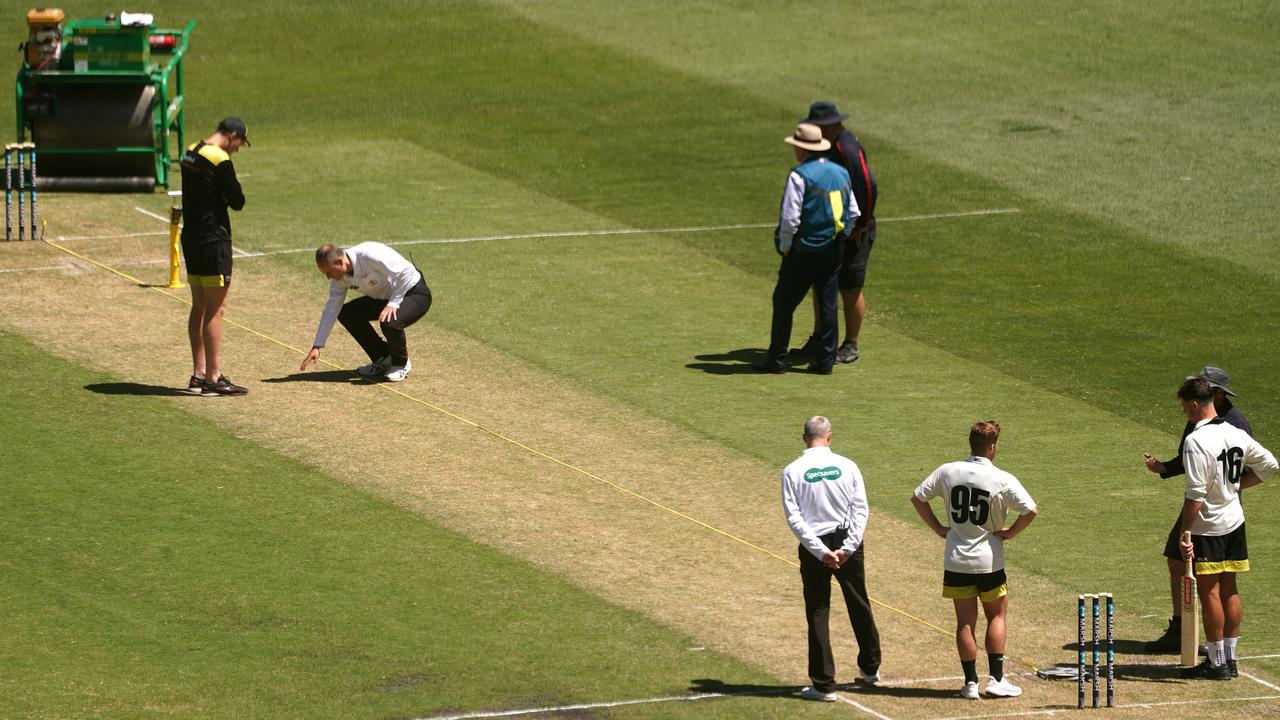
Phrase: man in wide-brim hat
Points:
(818, 211)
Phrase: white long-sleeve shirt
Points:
(376, 271)
(820, 492)
(1215, 455)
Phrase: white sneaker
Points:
(969, 691)
(815, 694)
(1002, 688)
(396, 373)
(375, 368)
(865, 679)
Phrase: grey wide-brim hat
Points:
(1217, 378)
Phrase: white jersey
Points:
(1215, 456)
(820, 492)
(978, 497)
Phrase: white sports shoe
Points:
(375, 368)
(1002, 688)
(865, 679)
(815, 694)
(969, 691)
(396, 373)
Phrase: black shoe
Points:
(808, 350)
(1169, 642)
(847, 352)
(1206, 671)
(1231, 665)
(817, 369)
(770, 365)
(195, 385)
(223, 388)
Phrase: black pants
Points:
(799, 273)
(817, 609)
(357, 314)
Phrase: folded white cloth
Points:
(129, 19)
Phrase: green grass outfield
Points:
(257, 587)
(1135, 140)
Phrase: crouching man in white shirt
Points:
(978, 497)
(395, 295)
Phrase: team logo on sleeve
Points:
(817, 475)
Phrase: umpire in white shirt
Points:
(825, 501)
(395, 295)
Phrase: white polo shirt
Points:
(978, 497)
(820, 492)
(1215, 455)
(376, 271)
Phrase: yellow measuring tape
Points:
(514, 442)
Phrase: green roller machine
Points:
(101, 98)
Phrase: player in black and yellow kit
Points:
(209, 188)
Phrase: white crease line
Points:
(625, 231)
(862, 707)
(1147, 706)
(81, 265)
(63, 238)
(1260, 681)
(522, 236)
(150, 214)
(570, 708)
(1257, 657)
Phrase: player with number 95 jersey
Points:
(977, 497)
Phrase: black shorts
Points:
(208, 264)
(1214, 553)
(987, 586)
(853, 259)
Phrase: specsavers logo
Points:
(820, 474)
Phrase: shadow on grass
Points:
(128, 388)
(902, 691)
(333, 376)
(1131, 672)
(1126, 647)
(734, 362)
(710, 685)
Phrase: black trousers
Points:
(800, 272)
(357, 314)
(816, 578)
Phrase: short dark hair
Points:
(983, 435)
(326, 254)
(1197, 389)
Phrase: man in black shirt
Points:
(209, 188)
(848, 152)
(1218, 379)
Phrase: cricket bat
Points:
(1190, 619)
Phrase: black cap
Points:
(824, 113)
(235, 126)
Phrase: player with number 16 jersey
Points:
(978, 497)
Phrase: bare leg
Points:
(855, 309)
(195, 331)
(1232, 607)
(995, 612)
(1210, 587)
(1176, 568)
(966, 619)
(213, 302)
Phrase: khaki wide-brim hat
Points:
(809, 137)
